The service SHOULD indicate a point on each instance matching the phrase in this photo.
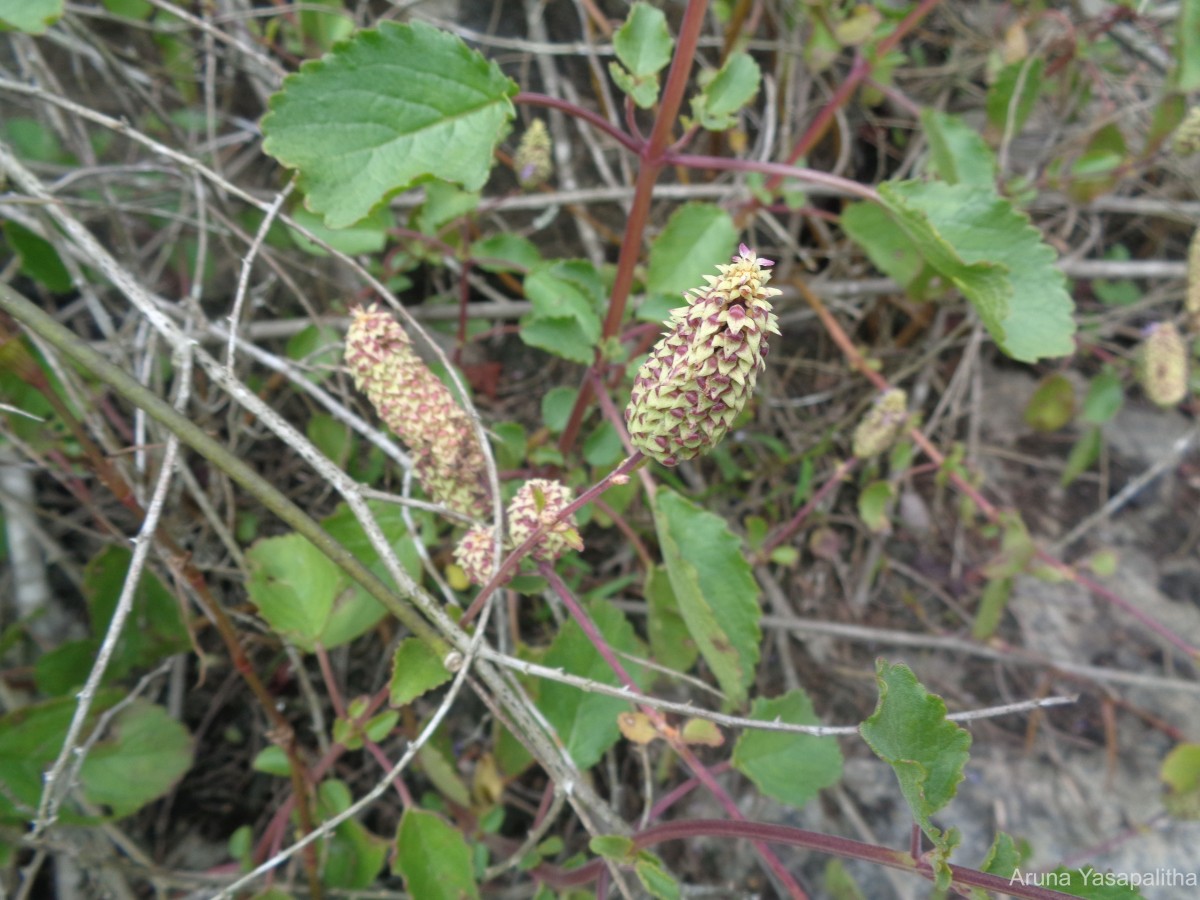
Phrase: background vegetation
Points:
(237, 654)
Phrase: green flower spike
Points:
(1163, 364)
(419, 409)
(540, 501)
(700, 375)
(1186, 139)
(881, 425)
(532, 160)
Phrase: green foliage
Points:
(978, 242)
(39, 260)
(306, 598)
(910, 732)
(294, 585)
(684, 251)
(716, 594)
(1181, 775)
(654, 878)
(874, 504)
(416, 669)
(643, 45)
(670, 641)
(587, 723)
(1083, 455)
(31, 16)
(1052, 405)
(354, 856)
(788, 767)
(1090, 883)
(153, 631)
(992, 603)
(1097, 170)
(385, 108)
(1187, 47)
(1011, 97)
(433, 858)
(566, 296)
(140, 756)
(319, 347)
(958, 153)
(1003, 856)
(367, 235)
(436, 761)
(505, 253)
(726, 91)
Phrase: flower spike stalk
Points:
(420, 410)
(700, 375)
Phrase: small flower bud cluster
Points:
(475, 554)
(881, 425)
(539, 502)
(420, 409)
(700, 375)
(532, 159)
(1163, 364)
(1186, 139)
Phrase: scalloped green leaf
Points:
(658, 882)
(155, 629)
(566, 296)
(958, 153)
(585, 723)
(732, 87)
(39, 260)
(789, 767)
(696, 238)
(980, 243)
(415, 670)
(353, 857)
(367, 235)
(717, 595)
(433, 858)
(30, 16)
(1180, 774)
(643, 44)
(670, 640)
(293, 584)
(141, 756)
(383, 109)
(1003, 856)
(910, 732)
(307, 598)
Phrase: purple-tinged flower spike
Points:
(700, 375)
(1163, 364)
(419, 409)
(539, 502)
(532, 159)
(475, 554)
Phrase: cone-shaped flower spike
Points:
(419, 409)
(700, 375)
